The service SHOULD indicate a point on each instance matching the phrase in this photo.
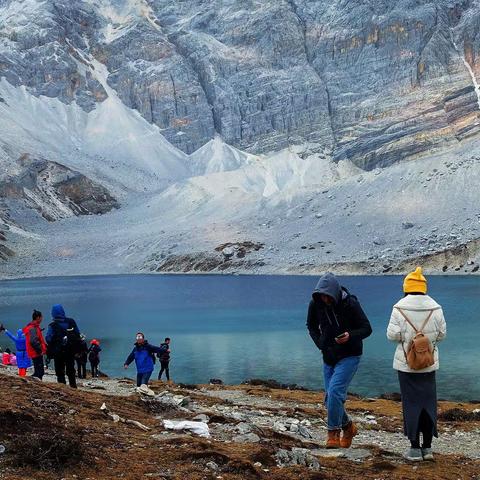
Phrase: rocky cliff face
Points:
(53, 190)
(375, 82)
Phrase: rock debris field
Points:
(108, 430)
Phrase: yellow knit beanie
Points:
(415, 282)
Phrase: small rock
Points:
(247, 438)
(297, 456)
(279, 427)
(304, 432)
(201, 418)
(228, 252)
(243, 428)
(212, 466)
(215, 381)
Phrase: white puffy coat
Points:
(416, 308)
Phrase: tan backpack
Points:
(420, 352)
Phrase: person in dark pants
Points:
(36, 346)
(417, 312)
(94, 356)
(63, 343)
(81, 357)
(165, 359)
(144, 355)
(337, 325)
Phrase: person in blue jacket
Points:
(23, 361)
(144, 355)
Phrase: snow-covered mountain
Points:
(275, 136)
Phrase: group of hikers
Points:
(65, 344)
(338, 325)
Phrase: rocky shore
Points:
(108, 430)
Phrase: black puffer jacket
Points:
(326, 322)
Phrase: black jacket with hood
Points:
(344, 315)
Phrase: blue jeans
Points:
(143, 378)
(337, 380)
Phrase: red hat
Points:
(95, 342)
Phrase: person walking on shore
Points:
(164, 358)
(417, 324)
(36, 345)
(81, 357)
(23, 361)
(63, 343)
(144, 355)
(337, 325)
(94, 356)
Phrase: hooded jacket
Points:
(20, 346)
(325, 322)
(57, 332)
(416, 308)
(144, 356)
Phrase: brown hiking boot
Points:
(333, 440)
(348, 433)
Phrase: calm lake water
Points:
(240, 327)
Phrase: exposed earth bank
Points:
(257, 431)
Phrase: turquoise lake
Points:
(240, 327)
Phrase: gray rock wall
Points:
(376, 82)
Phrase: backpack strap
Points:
(426, 320)
(407, 319)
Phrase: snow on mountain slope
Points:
(353, 222)
(216, 156)
(112, 142)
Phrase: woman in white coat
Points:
(417, 312)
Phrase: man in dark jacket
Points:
(165, 359)
(337, 325)
(63, 343)
(81, 357)
(144, 355)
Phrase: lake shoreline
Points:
(232, 274)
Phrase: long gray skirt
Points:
(419, 392)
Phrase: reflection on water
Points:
(236, 328)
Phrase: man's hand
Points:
(343, 339)
(125, 366)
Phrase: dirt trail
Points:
(51, 431)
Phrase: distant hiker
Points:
(144, 355)
(36, 345)
(13, 359)
(337, 325)
(21, 359)
(6, 357)
(164, 358)
(63, 343)
(81, 357)
(94, 356)
(417, 325)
